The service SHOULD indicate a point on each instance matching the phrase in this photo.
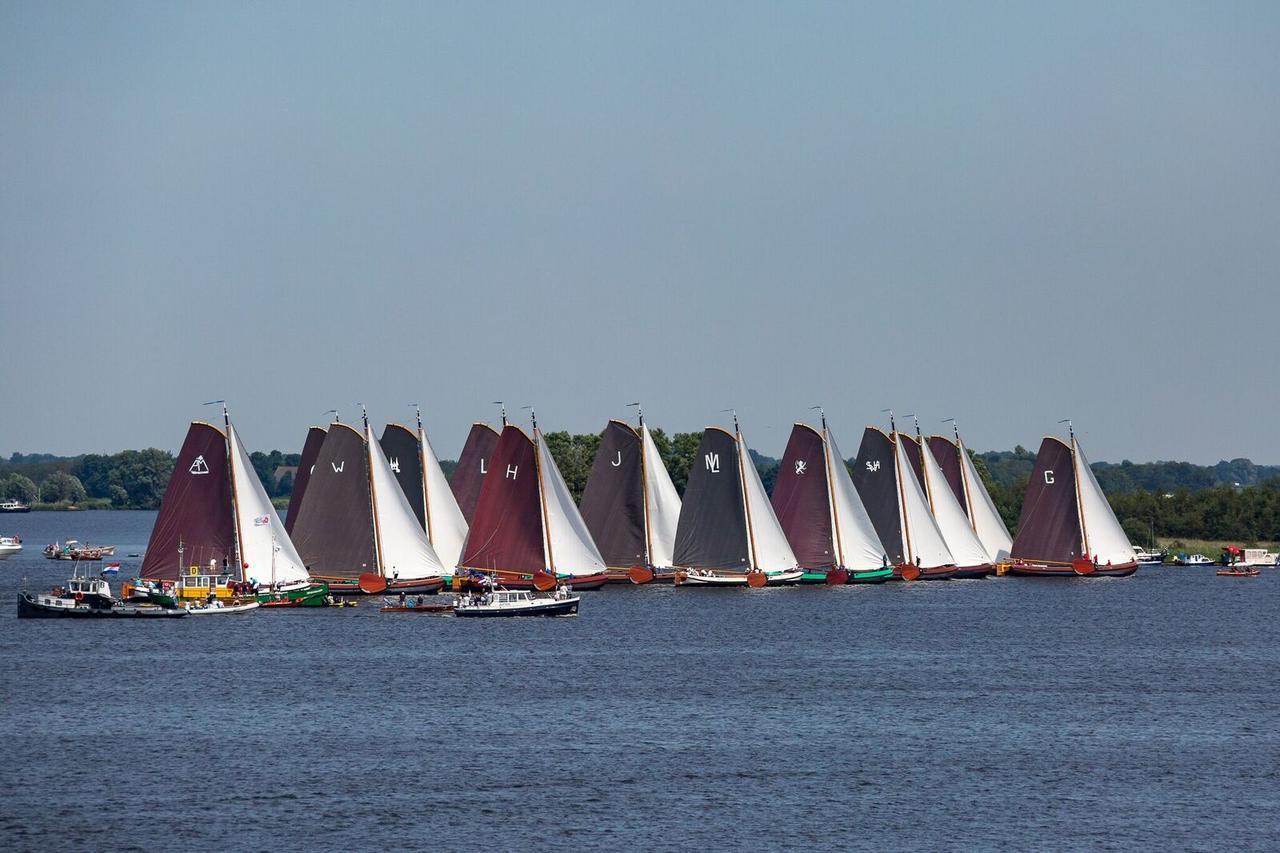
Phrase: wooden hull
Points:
(511, 581)
(421, 586)
(1037, 570)
(1238, 573)
(310, 596)
(734, 579)
(934, 573)
(974, 571)
(872, 576)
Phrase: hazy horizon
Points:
(1006, 214)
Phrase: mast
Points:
(1084, 532)
(422, 468)
(831, 494)
(542, 493)
(644, 488)
(373, 493)
(504, 410)
(964, 475)
(742, 484)
(924, 469)
(902, 494)
(235, 516)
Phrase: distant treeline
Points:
(1235, 500)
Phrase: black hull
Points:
(1034, 571)
(29, 608)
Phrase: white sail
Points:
(261, 531)
(962, 542)
(403, 548)
(923, 538)
(1106, 538)
(859, 547)
(663, 504)
(573, 551)
(983, 514)
(446, 525)
(772, 550)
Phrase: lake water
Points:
(1001, 713)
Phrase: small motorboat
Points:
(9, 545)
(417, 604)
(517, 602)
(14, 506)
(1193, 560)
(1148, 558)
(75, 551)
(217, 607)
(1239, 572)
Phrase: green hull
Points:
(311, 596)
(813, 577)
(873, 576)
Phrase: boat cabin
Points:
(195, 585)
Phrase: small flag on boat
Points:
(111, 568)
(262, 521)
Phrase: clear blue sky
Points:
(1008, 213)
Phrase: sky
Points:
(1006, 213)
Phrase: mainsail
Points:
(334, 529)
(969, 489)
(267, 554)
(400, 446)
(525, 519)
(195, 510)
(613, 501)
(1049, 527)
(726, 519)
(896, 503)
(473, 464)
(310, 449)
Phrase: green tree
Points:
(61, 486)
(119, 497)
(19, 488)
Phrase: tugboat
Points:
(519, 602)
(84, 597)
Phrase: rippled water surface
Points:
(1002, 713)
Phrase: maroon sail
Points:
(1049, 527)
(613, 500)
(400, 446)
(506, 530)
(802, 500)
(712, 531)
(310, 450)
(334, 531)
(471, 468)
(875, 477)
(196, 509)
(948, 456)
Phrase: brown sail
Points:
(613, 500)
(801, 499)
(334, 532)
(473, 464)
(310, 450)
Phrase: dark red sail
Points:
(473, 463)
(874, 475)
(948, 456)
(196, 509)
(712, 532)
(400, 446)
(1049, 527)
(506, 530)
(613, 500)
(334, 531)
(801, 499)
(310, 450)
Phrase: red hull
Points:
(424, 586)
(974, 571)
(937, 573)
(1032, 570)
(526, 582)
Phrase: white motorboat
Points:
(519, 602)
(218, 608)
(1194, 560)
(13, 506)
(1148, 558)
(9, 545)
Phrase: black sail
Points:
(1049, 527)
(400, 446)
(948, 455)
(473, 464)
(801, 499)
(712, 531)
(912, 448)
(334, 533)
(874, 475)
(310, 450)
(613, 500)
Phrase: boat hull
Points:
(310, 596)
(421, 586)
(933, 573)
(973, 571)
(871, 576)
(1040, 570)
(578, 582)
(32, 607)
(563, 607)
(735, 579)
(219, 609)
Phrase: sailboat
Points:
(898, 508)
(1067, 527)
(418, 471)
(306, 465)
(966, 551)
(822, 515)
(217, 536)
(356, 528)
(631, 506)
(728, 534)
(472, 465)
(961, 475)
(527, 531)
